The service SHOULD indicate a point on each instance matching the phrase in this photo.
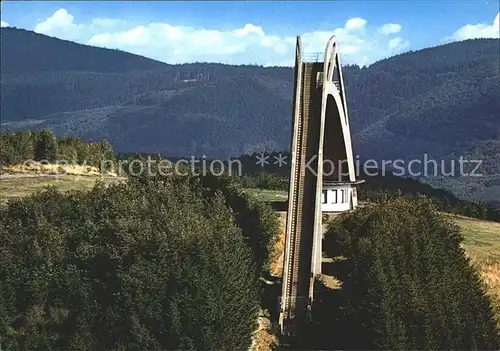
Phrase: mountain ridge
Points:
(443, 101)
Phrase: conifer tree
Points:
(149, 264)
(407, 282)
(46, 146)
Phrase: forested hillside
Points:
(405, 283)
(25, 51)
(443, 101)
(151, 264)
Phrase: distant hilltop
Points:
(443, 101)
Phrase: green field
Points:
(482, 244)
(482, 239)
(265, 195)
(18, 187)
(24, 186)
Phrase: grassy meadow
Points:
(482, 244)
(265, 195)
(15, 187)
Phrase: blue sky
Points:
(260, 32)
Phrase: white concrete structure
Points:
(339, 196)
(336, 198)
(321, 136)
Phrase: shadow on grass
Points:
(279, 205)
(332, 327)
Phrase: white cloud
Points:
(389, 28)
(4, 24)
(137, 36)
(479, 30)
(249, 43)
(249, 29)
(107, 22)
(398, 44)
(61, 24)
(355, 23)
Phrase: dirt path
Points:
(276, 264)
(263, 338)
(27, 175)
(45, 175)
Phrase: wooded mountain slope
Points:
(444, 101)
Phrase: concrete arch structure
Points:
(321, 136)
(334, 119)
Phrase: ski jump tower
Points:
(321, 136)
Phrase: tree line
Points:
(43, 145)
(381, 188)
(377, 187)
